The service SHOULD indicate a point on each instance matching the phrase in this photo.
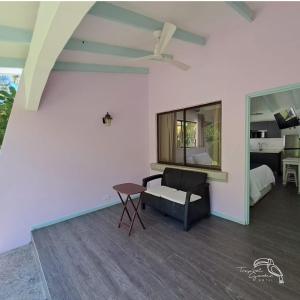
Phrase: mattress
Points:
(261, 181)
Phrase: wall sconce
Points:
(107, 119)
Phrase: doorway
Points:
(259, 115)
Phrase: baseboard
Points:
(46, 293)
(111, 203)
(224, 216)
(75, 215)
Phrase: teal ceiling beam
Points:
(79, 67)
(122, 15)
(8, 62)
(16, 35)
(9, 34)
(101, 48)
(242, 9)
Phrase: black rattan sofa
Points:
(183, 195)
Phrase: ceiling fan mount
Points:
(163, 38)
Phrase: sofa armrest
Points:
(200, 190)
(150, 178)
(201, 207)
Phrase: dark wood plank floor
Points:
(90, 258)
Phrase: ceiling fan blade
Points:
(178, 64)
(256, 113)
(147, 57)
(165, 37)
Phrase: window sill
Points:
(212, 175)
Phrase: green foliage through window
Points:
(7, 96)
(190, 134)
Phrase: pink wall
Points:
(63, 160)
(255, 56)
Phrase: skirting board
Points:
(75, 215)
(46, 294)
(229, 218)
(111, 203)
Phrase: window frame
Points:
(185, 164)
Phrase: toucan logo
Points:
(264, 269)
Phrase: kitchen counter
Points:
(266, 151)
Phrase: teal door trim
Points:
(248, 98)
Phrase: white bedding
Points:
(260, 178)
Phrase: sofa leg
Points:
(186, 226)
(143, 206)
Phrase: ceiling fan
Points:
(256, 113)
(163, 38)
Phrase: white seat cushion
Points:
(171, 194)
(179, 196)
(158, 190)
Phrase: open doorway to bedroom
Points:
(273, 155)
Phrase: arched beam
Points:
(55, 23)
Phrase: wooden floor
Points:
(90, 258)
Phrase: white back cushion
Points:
(171, 194)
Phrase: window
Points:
(9, 80)
(191, 136)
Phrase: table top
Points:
(129, 188)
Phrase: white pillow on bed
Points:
(190, 160)
(202, 159)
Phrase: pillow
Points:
(190, 160)
(202, 159)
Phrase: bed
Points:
(261, 182)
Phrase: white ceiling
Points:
(203, 18)
(266, 106)
(18, 14)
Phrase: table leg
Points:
(283, 175)
(298, 178)
(136, 214)
(138, 204)
(124, 209)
